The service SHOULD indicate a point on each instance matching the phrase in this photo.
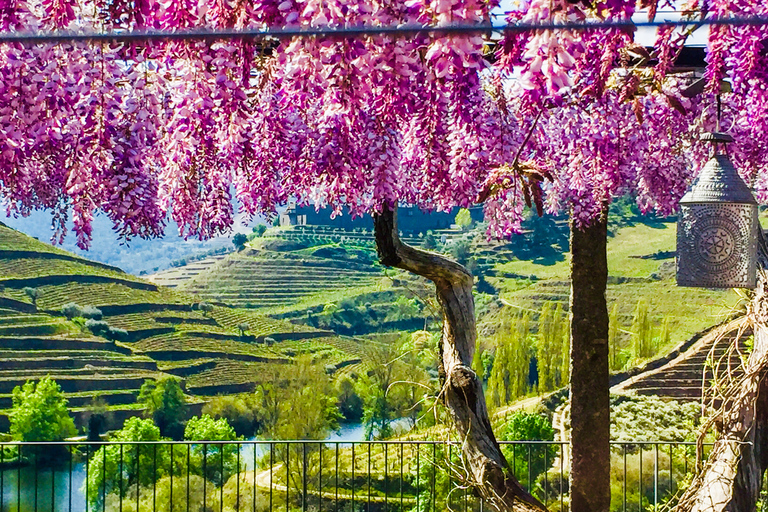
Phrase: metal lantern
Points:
(717, 227)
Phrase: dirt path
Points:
(262, 480)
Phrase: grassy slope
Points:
(168, 336)
(689, 309)
(307, 282)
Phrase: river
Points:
(66, 488)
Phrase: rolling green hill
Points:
(167, 333)
(295, 273)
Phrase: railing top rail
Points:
(268, 442)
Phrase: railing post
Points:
(656, 476)
(625, 477)
(304, 477)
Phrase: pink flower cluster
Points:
(155, 131)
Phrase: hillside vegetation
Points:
(154, 332)
(331, 278)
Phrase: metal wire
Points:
(358, 31)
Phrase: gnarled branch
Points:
(462, 391)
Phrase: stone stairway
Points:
(684, 377)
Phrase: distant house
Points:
(411, 219)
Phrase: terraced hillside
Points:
(212, 351)
(686, 376)
(279, 271)
(174, 277)
(640, 266)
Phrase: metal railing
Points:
(317, 476)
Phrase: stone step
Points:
(679, 392)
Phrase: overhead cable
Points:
(357, 31)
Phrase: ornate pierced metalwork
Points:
(716, 245)
(717, 228)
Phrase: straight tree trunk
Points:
(462, 392)
(590, 485)
(733, 475)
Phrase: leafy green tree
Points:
(97, 327)
(239, 241)
(260, 229)
(350, 403)
(301, 408)
(498, 382)
(464, 218)
(389, 388)
(40, 412)
(404, 308)
(548, 348)
(511, 364)
(145, 463)
(116, 334)
(165, 403)
(459, 249)
(524, 426)
(237, 410)
(210, 460)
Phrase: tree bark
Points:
(733, 475)
(590, 484)
(462, 392)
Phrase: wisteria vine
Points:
(149, 132)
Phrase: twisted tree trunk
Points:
(590, 387)
(462, 392)
(732, 478)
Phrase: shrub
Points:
(206, 308)
(236, 410)
(116, 334)
(239, 241)
(71, 310)
(96, 326)
(92, 312)
(528, 462)
(651, 418)
(32, 293)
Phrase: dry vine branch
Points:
(732, 478)
(462, 392)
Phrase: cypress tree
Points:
(664, 336)
(477, 364)
(547, 350)
(497, 391)
(565, 346)
(521, 357)
(613, 336)
(642, 332)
